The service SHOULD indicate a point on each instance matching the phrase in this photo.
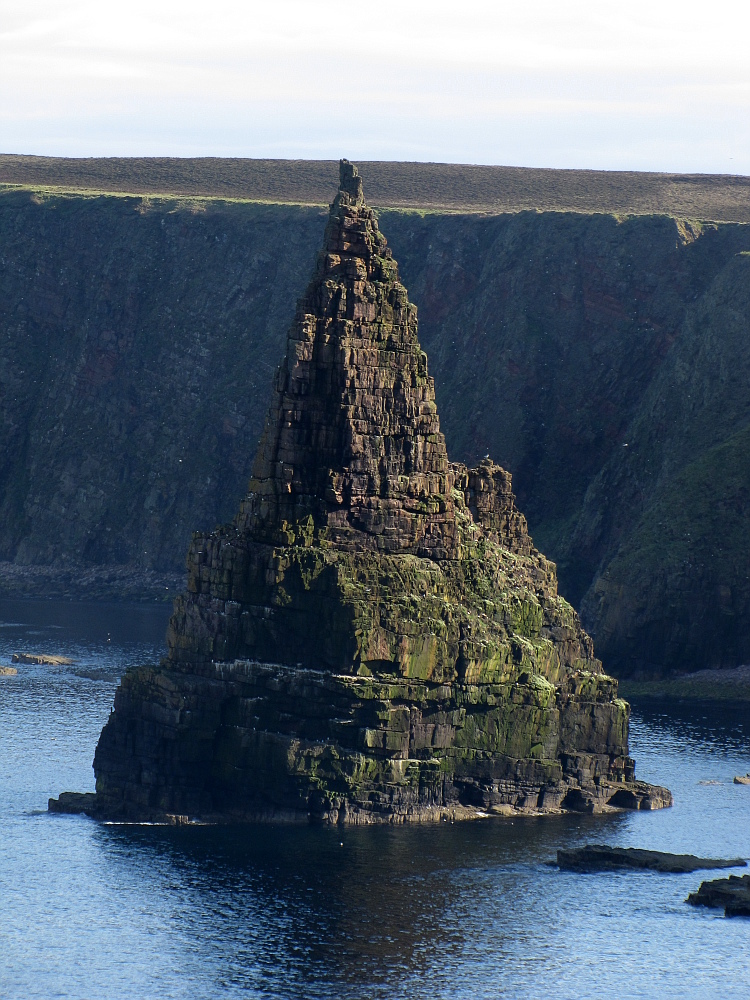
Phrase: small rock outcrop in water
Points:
(732, 893)
(43, 658)
(599, 858)
(374, 638)
(73, 802)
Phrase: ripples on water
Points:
(471, 910)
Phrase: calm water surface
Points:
(472, 910)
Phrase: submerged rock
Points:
(374, 638)
(732, 893)
(600, 858)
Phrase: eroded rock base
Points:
(248, 741)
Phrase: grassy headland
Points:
(428, 186)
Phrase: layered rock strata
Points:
(374, 637)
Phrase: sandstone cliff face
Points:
(602, 360)
(374, 636)
(137, 348)
(671, 588)
(624, 418)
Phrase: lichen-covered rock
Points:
(374, 637)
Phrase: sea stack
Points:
(374, 638)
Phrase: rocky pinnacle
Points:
(374, 638)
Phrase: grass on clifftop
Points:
(429, 186)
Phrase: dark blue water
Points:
(471, 910)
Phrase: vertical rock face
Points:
(374, 637)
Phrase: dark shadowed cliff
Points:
(602, 360)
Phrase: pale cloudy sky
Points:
(657, 85)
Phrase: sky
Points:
(632, 85)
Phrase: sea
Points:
(465, 910)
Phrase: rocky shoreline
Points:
(727, 684)
(73, 581)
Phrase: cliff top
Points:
(417, 186)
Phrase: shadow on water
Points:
(716, 726)
(298, 909)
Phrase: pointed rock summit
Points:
(353, 438)
(374, 637)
